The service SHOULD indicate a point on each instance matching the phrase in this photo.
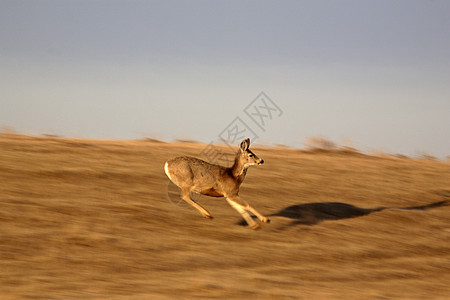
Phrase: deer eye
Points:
(250, 155)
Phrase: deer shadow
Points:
(314, 213)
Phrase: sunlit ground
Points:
(91, 219)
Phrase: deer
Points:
(191, 174)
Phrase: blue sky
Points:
(375, 73)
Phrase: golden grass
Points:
(88, 219)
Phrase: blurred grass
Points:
(91, 219)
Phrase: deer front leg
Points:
(261, 217)
(234, 202)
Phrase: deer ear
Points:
(245, 144)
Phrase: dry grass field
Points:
(89, 219)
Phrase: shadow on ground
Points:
(314, 213)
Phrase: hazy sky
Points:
(376, 73)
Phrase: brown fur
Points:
(195, 175)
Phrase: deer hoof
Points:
(254, 226)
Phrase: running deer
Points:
(195, 175)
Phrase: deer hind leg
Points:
(243, 211)
(186, 197)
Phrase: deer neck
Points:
(239, 170)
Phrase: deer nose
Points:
(261, 162)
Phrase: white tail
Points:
(195, 175)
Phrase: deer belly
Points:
(212, 193)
